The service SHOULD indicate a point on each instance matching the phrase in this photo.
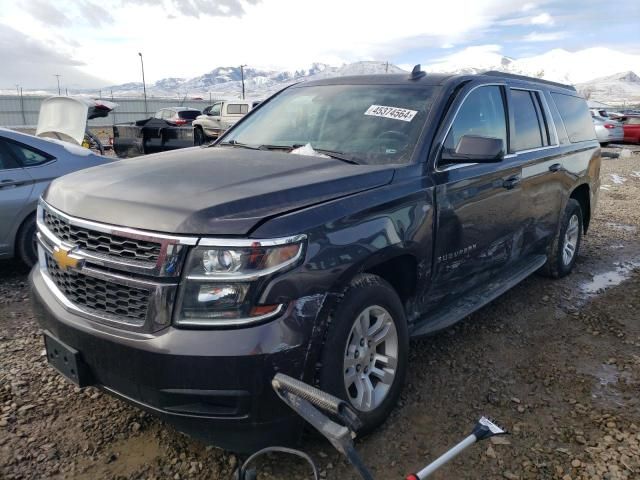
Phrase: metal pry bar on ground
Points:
(484, 429)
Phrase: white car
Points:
(219, 117)
(607, 130)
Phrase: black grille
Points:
(100, 296)
(101, 243)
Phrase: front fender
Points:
(344, 238)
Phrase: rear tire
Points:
(26, 242)
(365, 355)
(566, 245)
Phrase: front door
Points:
(478, 225)
(15, 189)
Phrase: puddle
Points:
(609, 279)
(617, 179)
(608, 377)
(620, 226)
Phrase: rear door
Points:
(478, 230)
(16, 186)
(534, 144)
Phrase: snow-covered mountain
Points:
(226, 81)
(617, 89)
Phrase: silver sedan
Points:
(607, 130)
(27, 165)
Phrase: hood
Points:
(208, 191)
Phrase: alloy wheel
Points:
(571, 239)
(370, 358)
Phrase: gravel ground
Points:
(557, 362)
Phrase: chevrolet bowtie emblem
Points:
(64, 259)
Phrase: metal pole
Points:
(449, 455)
(242, 75)
(58, 78)
(144, 85)
(24, 119)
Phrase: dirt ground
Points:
(556, 362)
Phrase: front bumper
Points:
(211, 384)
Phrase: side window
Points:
(215, 110)
(237, 108)
(6, 161)
(575, 115)
(27, 156)
(563, 139)
(527, 133)
(633, 121)
(482, 114)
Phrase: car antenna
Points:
(417, 73)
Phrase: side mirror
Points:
(476, 149)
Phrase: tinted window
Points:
(632, 121)
(562, 133)
(189, 114)
(575, 116)
(237, 108)
(526, 126)
(6, 161)
(481, 114)
(27, 156)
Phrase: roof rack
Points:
(496, 73)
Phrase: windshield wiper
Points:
(235, 143)
(337, 155)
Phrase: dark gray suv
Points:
(332, 223)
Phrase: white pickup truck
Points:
(219, 117)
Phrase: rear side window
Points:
(575, 116)
(527, 131)
(6, 160)
(237, 108)
(26, 156)
(481, 114)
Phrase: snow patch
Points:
(308, 151)
(617, 179)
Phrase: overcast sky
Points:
(95, 43)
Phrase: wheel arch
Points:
(582, 194)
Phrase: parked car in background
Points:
(631, 127)
(219, 117)
(607, 130)
(314, 238)
(169, 129)
(27, 165)
(178, 115)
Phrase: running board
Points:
(475, 299)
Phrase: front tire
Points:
(564, 250)
(199, 137)
(365, 356)
(26, 242)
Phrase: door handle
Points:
(511, 182)
(8, 183)
(556, 167)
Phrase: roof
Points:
(430, 79)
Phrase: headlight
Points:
(223, 279)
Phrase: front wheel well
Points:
(400, 272)
(582, 195)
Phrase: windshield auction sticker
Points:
(391, 112)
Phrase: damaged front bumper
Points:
(211, 384)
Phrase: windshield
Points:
(368, 124)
